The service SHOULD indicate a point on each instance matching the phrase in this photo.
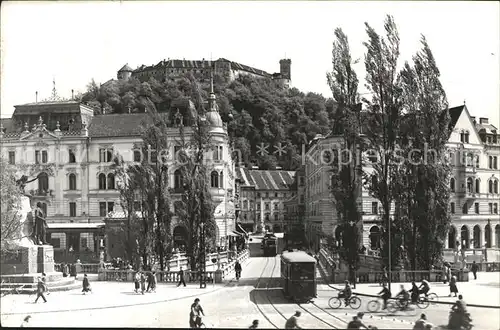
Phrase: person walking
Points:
(255, 325)
(86, 284)
(150, 281)
(453, 286)
(143, 282)
(292, 322)
(44, 280)
(40, 289)
(237, 269)
(153, 281)
(137, 279)
(474, 268)
(181, 278)
(26, 321)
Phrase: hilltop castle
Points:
(201, 69)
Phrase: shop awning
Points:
(73, 225)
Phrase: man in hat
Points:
(356, 322)
(292, 323)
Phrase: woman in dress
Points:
(453, 286)
(86, 284)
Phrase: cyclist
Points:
(255, 324)
(195, 314)
(292, 322)
(403, 297)
(424, 288)
(346, 293)
(460, 308)
(415, 292)
(385, 294)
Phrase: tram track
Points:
(295, 305)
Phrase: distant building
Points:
(71, 150)
(262, 198)
(474, 149)
(202, 69)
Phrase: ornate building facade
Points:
(474, 149)
(71, 151)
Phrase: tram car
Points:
(298, 275)
(269, 246)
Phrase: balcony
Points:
(217, 194)
(41, 193)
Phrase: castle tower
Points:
(285, 69)
(124, 73)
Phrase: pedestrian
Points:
(65, 269)
(420, 323)
(149, 279)
(137, 279)
(195, 314)
(474, 268)
(26, 321)
(292, 322)
(237, 269)
(40, 289)
(78, 268)
(44, 279)
(255, 325)
(86, 284)
(453, 286)
(356, 323)
(143, 282)
(181, 278)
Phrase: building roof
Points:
(487, 128)
(8, 125)
(125, 68)
(118, 125)
(297, 256)
(454, 115)
(266, 179)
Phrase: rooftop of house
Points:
(266, 179)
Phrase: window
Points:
(495, 208)
(276, 217)
(301, 180)
(465, 209)
(258, 195)
(105, 155)
(111, 206)
(452, 208)
(176, 152)
(462, 137)
(221, 179)
(267, 206)
(72, 181)
(137, 156)
(490, 207)
(477, 161)
(12, 157)
(276, 195)
(102, 209)
(72, 209)
(102, 181)
(178, 179)
(267, 216)
(372, 156)
(477, 186)
(43, 182)
(214, 179)
(152, 156)
(245, 217)
(84, 242)
(111, 181)
(267, 195)
(476, 208)
(137, 205)
(55, 242)
(275, 206)
(490, 162)
(469, 185)
(495, 186)
(258, 206)
(374, 207)
(495, 162)
(37, 156)
(258, 216)
(217, 153)
(45, 157)
(71, 156)
(452, 185)
(466, 137)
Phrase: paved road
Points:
(256, 296)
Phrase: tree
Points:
(346, 177)
(10, 202)
(424, 205)
(196, 208)
(382, 123)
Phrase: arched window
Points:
(487, 235)
(214, 179)
(497, 235)
(43, 182)
(469, 185)
(72, 181)
(465, 209)
(267, 216)
(452, 184)
(462, 137)
(452, 237)
(490, 186)
(466, 137)
(111, 181)
(374, 238)
(221, 179)
(477, 186)
(464, 235)
(276, 217)
(178, 179)
(477, 237)
(102, 181)
(495, 187)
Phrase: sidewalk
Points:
(105, 295)
(484, 291)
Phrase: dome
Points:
(214, 119)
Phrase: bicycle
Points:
(353, 302)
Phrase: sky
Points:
(74, 42)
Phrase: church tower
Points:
(124, 73)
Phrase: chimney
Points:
(72, 94)
(36, 97)
(483, 120)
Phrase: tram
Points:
(269, 246)
(298, 275)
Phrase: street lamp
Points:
(202, 257)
